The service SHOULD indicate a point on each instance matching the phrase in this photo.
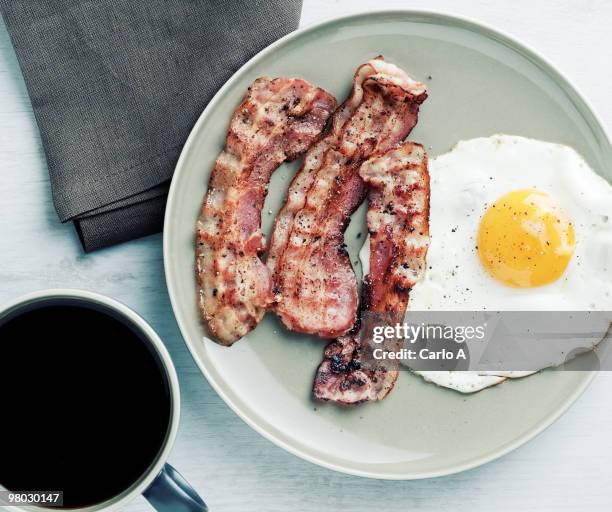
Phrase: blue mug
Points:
(164, 488)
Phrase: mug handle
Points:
(170, 492)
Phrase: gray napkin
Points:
(116, 86)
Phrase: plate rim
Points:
(452, 19)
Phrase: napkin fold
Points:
(116, 86)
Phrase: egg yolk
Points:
(525, 239)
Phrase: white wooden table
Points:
(569, 467)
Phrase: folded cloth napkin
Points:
(116, 86)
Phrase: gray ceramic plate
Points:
(480, 83)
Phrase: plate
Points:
(480, 83)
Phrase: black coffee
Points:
(84, 403)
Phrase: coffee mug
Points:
(160, 483)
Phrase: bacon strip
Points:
(313, 278)
(278, 120)
(398, 223)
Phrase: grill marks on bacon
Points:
(277, 120)
(313, 278)
(398, 223)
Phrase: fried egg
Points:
(516, 224)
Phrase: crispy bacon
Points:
(278, 120)
(313, 278)
(398, 223)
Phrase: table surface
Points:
(565, 468)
